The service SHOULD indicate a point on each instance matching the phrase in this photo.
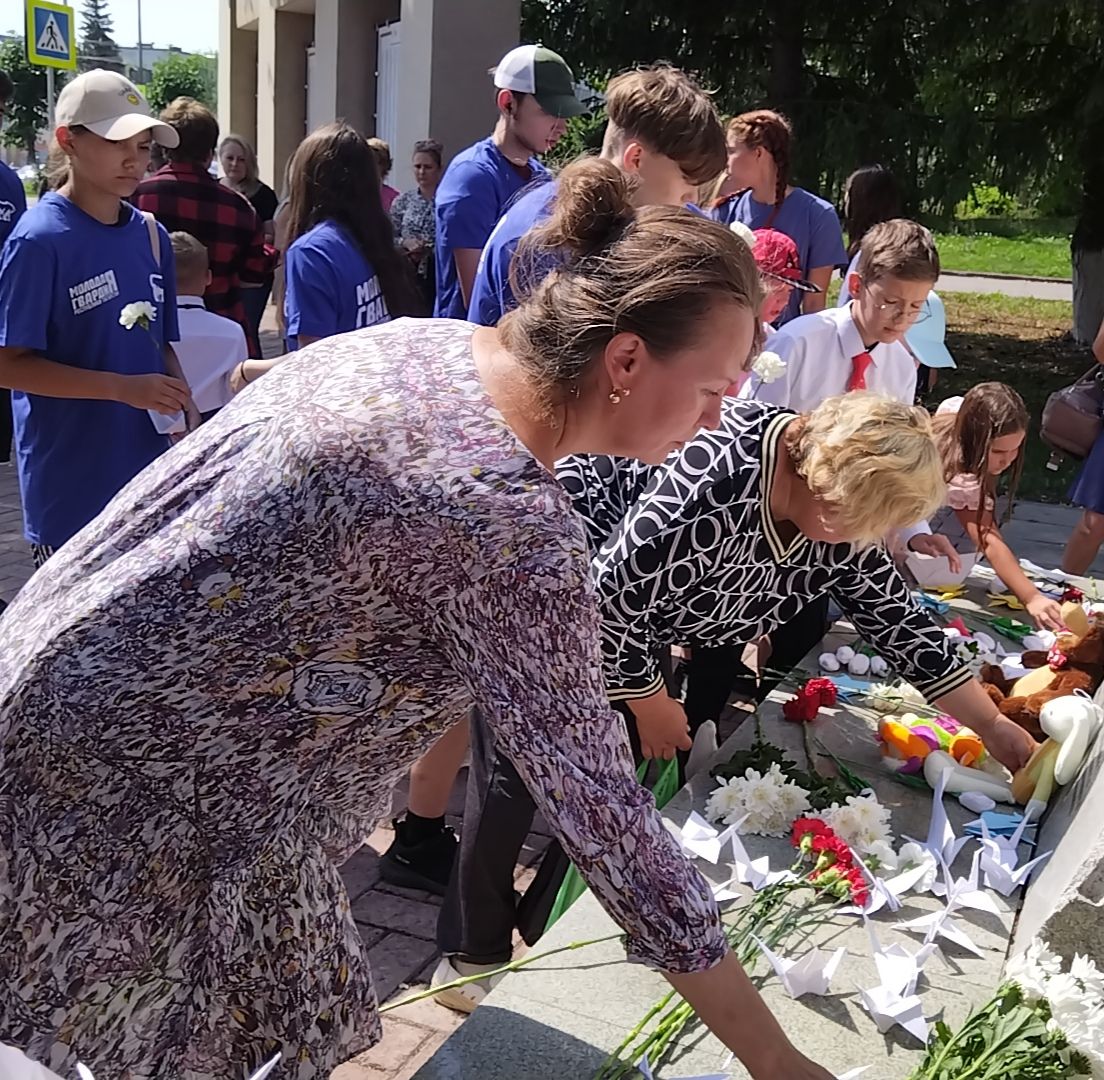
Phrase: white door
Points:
(313, 119)
(387, 85)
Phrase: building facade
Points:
(400, 69)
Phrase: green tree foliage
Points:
(26, 112)
(97, 46)
(181, 76)
(947, 95)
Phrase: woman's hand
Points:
(1008, 742)
(935, 544)
(730, 1007)
(661, 724)
(969, 704)
(1046, 612)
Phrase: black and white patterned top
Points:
(689, 554)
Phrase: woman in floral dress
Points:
(207, 695)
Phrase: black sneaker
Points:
(426, 864)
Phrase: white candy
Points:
(844, 654)
(859, 664)
(951, 632)
(828, 662)
(976, 801)
(878, 667)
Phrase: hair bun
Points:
(592, 207)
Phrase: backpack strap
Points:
(154, 235)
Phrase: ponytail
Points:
(771, 131)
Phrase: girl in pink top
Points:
(980, 436)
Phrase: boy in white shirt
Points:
(210, 346)
(859, 346)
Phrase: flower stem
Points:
(513, 965)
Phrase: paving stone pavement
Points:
(398, 925)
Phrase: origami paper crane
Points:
(812, 974)
(999, 857)
(893, 1000)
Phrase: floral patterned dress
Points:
(207, 695)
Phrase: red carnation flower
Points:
(1072, 595)
(805, 830)
(860, 891)
(802, 708)
(824, 689)
(834, 846)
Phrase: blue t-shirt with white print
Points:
(473, 194)
(64, 279)
(329, 286)
(13, 201)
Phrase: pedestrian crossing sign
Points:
(51, 35)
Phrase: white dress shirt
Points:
(817, 350)
(209, 349)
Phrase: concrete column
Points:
(237, 74)
(345, 50)
(446, 93)
(282, 41)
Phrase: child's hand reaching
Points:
(1046, 612)
(934, 544)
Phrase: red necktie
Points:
(859, 364)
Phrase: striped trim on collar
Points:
(772, 448)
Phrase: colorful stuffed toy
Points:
(908, 739)
(1074, 663)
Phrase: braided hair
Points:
(771, 131)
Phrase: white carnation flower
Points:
(1088, 975)
(912, 855)
(769, 366)
(862, 823)
(140, 313)
(884, 853)
(743, 232)
(768, 801)
(1032, 970)
(725, 802)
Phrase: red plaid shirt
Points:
(184, 197)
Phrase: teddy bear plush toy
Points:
(1076, 662)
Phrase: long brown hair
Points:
(771, 131)
(333, 176)
(655, 272)
(989, 411)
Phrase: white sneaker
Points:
(463, 998)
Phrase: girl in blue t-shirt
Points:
(759, 148)
(342, 271)
(87, 315)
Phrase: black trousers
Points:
(713, 673)
(481, 908)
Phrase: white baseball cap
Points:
(533, 69)
(110, 106)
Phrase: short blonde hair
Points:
(873, 459)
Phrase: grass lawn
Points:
(1022, 342)
(1033, 256)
